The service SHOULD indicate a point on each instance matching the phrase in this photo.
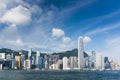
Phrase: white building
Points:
(29, 53)
(54, 67)
(80, 53)
(99, 62)
(37, 56)
(8, 57)
(73, 62)
(2, 55)
(27, 64)
(65, 63)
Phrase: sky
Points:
(55, 25)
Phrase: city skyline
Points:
(54, 26)
(22, 60)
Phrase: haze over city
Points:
(54, 26)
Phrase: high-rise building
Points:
(93, 59)
(22, 59)
(80, 53)
(50, 61)
(46, 61)
(37, 56)
(17, 58)
(99, 61)
(2, 55)
(59, 64)
(27, 64)
(29, 53)
(89, 62)
(55, 59)
(65, 63)
(13, 61)
(106, 63)
(8, 57)
(41, 62)
(73, 62)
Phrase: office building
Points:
(65, 63)
(22, 59)
(73, 62)
(41, 62)
(17, 58)
(80, 53)
(37, 57)
(93, 59)
(8, 57)
(46, 61)
(27, 64)
(99, 61)
(29, 53)
(106, 63)
(2, 55)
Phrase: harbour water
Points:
(58, 75)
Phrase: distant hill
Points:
(5, 50)
(73, 52)
(9, 51)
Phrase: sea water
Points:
(58, 75)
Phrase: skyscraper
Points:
(73, 62)
(93, 59)
(80, 53)
(41, 62)
(65, 63)
(17, 58)
(29, 53)
(99, 61)
(37, 57)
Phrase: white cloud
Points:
(79, 4)
(112, 46)
(10, 37)
(17, 42)
(10, 29)
(86, 39)
(57, 32)
(36, 9)
(18, 15)
(66, 39)
(2, 8)
(113, 43)
(104, 29)
(9, 32)
(63, 47)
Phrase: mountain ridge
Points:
(73, 52)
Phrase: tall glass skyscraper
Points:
(37, 57)
(80, 53)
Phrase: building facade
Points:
(80, 53)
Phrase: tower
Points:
(29, 53)
(37, 57)
(80, 53)
(93, 59)
(65, 63)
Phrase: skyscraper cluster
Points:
(32, 60)
(36, 60)
(94, 60)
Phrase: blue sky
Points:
(55, 25)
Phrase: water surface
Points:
(58, 75)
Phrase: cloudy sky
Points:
(55, 25)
